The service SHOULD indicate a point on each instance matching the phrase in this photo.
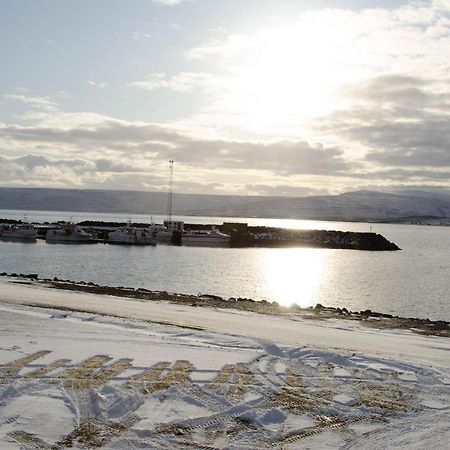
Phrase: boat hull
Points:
(69, 240)
(117, 242)
(131, 236)
(20, 234)
(27, 240)
(201, 241)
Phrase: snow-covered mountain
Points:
(359, 205)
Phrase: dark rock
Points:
(387, 316)
(210, 296)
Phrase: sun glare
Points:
(293, 72)
(294, 275)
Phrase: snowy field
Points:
(84, 371)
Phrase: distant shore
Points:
(374, 206)
(368, 318)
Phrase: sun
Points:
(292, 73)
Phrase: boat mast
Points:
(169, 196)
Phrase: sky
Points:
(248, 97)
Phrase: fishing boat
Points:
(164, 232)
(205, 238)
(69, 233)
(175, 232)
(132, 236)
(21, 232)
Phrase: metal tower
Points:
(169, 195)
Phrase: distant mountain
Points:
(350, 206)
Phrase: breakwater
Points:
(243, 235)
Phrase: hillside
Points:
(360, 205)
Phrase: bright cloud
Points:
(301, 101)
(182, 82)
(292, 70)
(43, 103)
(168, 2)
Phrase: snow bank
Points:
(113, 377)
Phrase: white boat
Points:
(24, 231)
(206, 238)
(163, 235)
(68, 233)
(174, 229)
(164, 232)
(132, 236)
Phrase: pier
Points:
(242, 235)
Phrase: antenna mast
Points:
(169, 196)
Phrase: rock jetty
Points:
(247, 236)
(367, 317)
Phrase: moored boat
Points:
(207, 238)
(21, 232)
(164, 233)
(132, 236)
(69, 233)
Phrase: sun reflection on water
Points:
(294, 275)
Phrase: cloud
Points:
(169, 2)
(283, 190)
(100, 85)
(43, 103)
(288, 69)
(278, 157)
(92, 151)
(181, 82)
(401, 121)
(160, 142)
(317, 100)
(139, 35)
(39, 170)
(108, 165)
(231, 45)
(89, 150)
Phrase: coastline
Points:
(368, 318)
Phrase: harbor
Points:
(302, 274)
(172, 232)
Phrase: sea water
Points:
(413, 282)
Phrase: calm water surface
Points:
(411, 282)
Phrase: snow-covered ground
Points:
(114, 373)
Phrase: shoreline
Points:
(368, 318)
